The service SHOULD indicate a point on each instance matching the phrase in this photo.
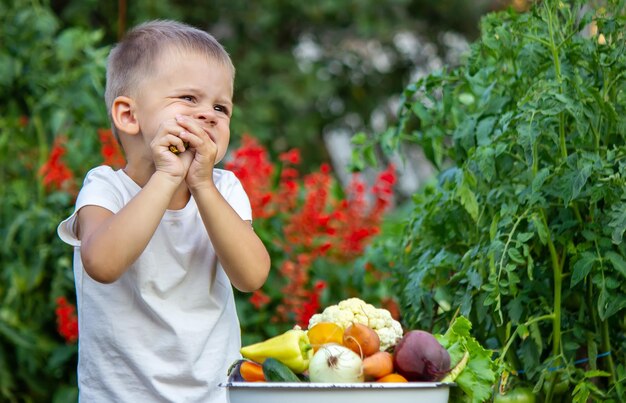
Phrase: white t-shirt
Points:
(167, 329)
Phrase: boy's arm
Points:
(239, 250)
(110, 243)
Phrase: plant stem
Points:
(554, 49)
(508, 241)
(589, 306)
(527, 323)
(606, 346)
(562, 135)
(534, 148)
(509, 354)
(42, 147)
(557, 271)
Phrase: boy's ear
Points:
(123, 115)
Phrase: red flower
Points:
(67, 321)
(54, 173)
(110, 149)
(290, 157)
(259, 299)
(251, 165)
(383, 189)
(312, 305)
(317, 221)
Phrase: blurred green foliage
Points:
(50, 85)
(354, 62)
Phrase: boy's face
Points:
(187, 83)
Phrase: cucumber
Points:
(276, 371)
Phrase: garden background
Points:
(490, 178)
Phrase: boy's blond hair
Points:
(133, 58)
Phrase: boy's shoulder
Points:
(224, 176)
(102, 173)
(101, 170)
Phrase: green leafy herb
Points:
(478, 375)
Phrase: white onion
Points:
(336, 364)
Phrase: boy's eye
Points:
(189, 98)
(221, 108)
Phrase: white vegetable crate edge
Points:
(367, 392)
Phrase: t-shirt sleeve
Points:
(232, 190)
(97, 190)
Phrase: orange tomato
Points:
(324, 333)
(392, 378)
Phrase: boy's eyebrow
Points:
(226, 101)
(198, 91)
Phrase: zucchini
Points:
(276, 371)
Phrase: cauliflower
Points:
(353, 310)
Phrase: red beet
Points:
(420, 357)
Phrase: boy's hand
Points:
(170, 133)
(204, 150)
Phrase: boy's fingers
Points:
(173, 136)
(173, 142)
(186, 138)
(193, 126)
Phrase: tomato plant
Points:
(517, 395)
(522, 230)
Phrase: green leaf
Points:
(530, 267)
(618, 262)
(596, 373)
(9, 69)
(422, 113)
(541, 228)
(468, 199)
(389, 141)
(359, 139)
(484, 129)
(582, 267)
(609, 304)
(539, 179)
(357, 163)
(479, 375)
(581, 393)
(370, 155)
(486, 162)
(465, 133)
(17, 338)
(579, 181)
(535, 335)
(493, 228)
(618, 222)
(516, 256)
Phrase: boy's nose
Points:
(206, 116)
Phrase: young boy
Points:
(158, 244)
